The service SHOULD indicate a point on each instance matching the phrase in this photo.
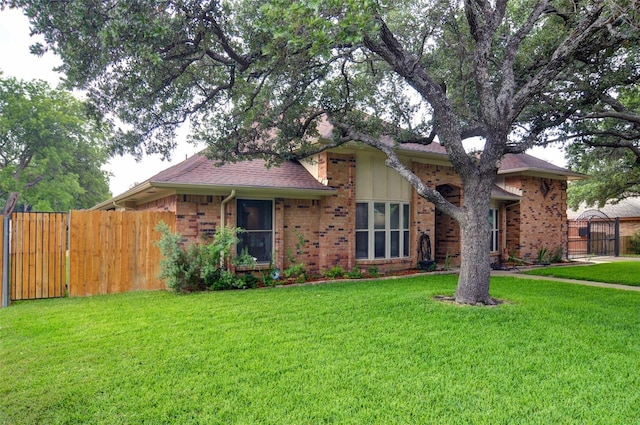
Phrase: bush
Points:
(249, 281)
(556, 255)
(354, 273)
(296, 271)
(373, 271)
(197, 267)
(335, 272)
(634, 243)
(179, 267)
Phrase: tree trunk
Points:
(475, 268)
(12, 200)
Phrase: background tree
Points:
(50, 151)
(256, 77)
(607, 147)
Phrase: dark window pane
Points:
(255, 214)
(362, 216)
(378, 215)
(379, 245)
(394, 216)
(362, 244)
(258, 244)
(405, 250)
(395, 244)
(405, 216)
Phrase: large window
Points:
(255, 217)
(494, 224)
(382, 230)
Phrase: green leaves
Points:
(50, 152)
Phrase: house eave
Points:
(149, 191)
(513, 198)
(538, 172)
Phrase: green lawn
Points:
(347, 353)
(625, 273)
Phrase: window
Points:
(382, 230)
(255, 217)
(494, 224)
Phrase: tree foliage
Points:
(605, 144)
(50, 151)
(258, 78)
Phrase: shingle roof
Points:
(626, 208)
(198, 170)
(525, 162)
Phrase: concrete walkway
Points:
(518, 274)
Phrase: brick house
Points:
(351, 209)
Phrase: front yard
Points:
(624, 273)
(345, 353)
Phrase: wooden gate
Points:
(38, 255)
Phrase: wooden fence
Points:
(3, 302)
(114, 251)
(83, 253)
(625, 245)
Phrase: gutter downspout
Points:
(222, 205)
(222, 217)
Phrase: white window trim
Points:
(495, 230)
(371, 230)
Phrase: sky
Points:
(16, 61)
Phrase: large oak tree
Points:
(255, 77)
(51, 152)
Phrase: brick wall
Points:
(301, 217)
(542, 215)
(443, 231)
(196, 215)
(628, 226)
(336, 231)
(513, 229)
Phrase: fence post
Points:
(617, 237)
(5, 261)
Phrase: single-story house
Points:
(350, 209)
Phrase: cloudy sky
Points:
(16, 61)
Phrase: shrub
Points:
(556, 255)
(179, 267)
(198, 266)
(296, 271)
(634, 243)
(354, 273)
(335, 272)
(373, 271)
(249, 281)
(543, 255)
(270, 275)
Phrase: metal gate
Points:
(593, 233)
